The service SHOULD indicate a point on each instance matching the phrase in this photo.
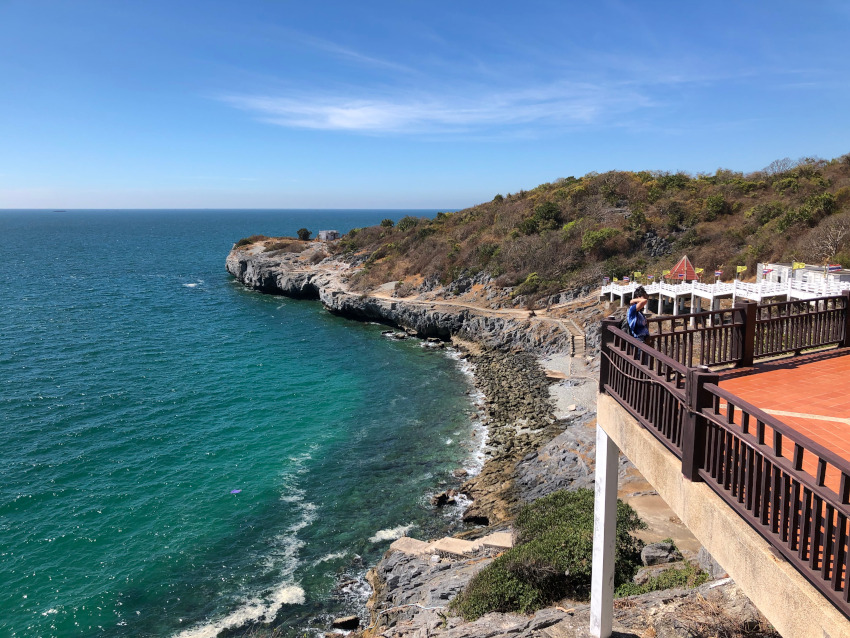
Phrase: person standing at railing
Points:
(637, 321)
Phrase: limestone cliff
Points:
(311, 275)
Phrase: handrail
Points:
(785, 431)
(656, 354)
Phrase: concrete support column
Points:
(715, 305)
(693, 321)
(604, 533)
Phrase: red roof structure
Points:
(683, 267)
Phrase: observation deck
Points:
(740, 419)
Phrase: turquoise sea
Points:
(180, 455)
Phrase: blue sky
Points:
(401, 104)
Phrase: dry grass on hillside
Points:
(574, 230)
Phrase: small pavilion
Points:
(683, 271)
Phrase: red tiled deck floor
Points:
(810, 393)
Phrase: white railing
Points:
(758, 290)
(811, 290)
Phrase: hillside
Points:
(573, 231)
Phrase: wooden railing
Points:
(793, 326)
(649, 382)
(792, 491)
(702, 338)
(749, 331)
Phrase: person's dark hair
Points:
(640, 291)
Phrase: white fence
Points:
(791, 289)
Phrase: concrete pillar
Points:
(693, 321)
(675, 305)
(604, 535)
(715, 305)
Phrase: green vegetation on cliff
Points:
(575, 230)
(551, 559)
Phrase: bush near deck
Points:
(551, 559)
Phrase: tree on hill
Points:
(303, 234)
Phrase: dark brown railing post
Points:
(693, 428)
(606, 339)
(745, 314)
(846, 295)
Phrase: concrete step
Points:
(453, 548)
(498, 541)
(449, 547)
(411, 546)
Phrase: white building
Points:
(328, 235)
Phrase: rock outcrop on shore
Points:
(295, 275)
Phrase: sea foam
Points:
(391, 534)
(259, 609)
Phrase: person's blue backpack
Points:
(624, 326)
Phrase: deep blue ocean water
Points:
(141, 386)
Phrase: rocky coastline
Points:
(534, 446)
(297, 275)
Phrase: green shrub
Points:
(792, 218)
(594, 239)
(387, 223)
(786, 184)
(819, 206)
(674, 213)
(529, 286)
(763, 213)
(673, 181)
(684, 577)
(528, 226)
(406, 223)
(715, 206)
(498, 197)
(487, 251)
(810, 212)
(547, 212)
(303, 234)
(637, 219)
(253, 239)
(552, 557)
(546, 216)
(569, 228)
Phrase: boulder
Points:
(659, 553)
(709, 565)
(443, 498)
(346, 622)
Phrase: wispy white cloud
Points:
(554, 105)
(342, 52)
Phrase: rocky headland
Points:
(313, 274)
(539, 411)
